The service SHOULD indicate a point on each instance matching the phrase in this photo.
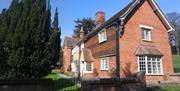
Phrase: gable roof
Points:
(161, 15)
(121, 15)
(70, 42)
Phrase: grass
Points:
(165, 88)
(62, 84)
(176, 62)
(53, 76)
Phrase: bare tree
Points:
(174, 18)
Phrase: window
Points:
(146, 34)
(88, 67)
(150, 65)
(102, 36)
(104, 64)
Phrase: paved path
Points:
(64, 76)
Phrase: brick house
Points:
(133, 40)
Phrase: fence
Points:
(131, 84)
(26, 85)
(72, 84)
(66, 84)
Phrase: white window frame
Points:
(102, 37)
(146, 62)
(85, 70)
(103, 64)
(147, 29)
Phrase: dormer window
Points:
(146, 32)
(102, 35)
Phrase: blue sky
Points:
(70, 10)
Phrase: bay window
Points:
(151, 65)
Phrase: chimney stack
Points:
(100, 18)
(81, 33)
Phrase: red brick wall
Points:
(100, 48)
(67, 58)
(95, 46)
(132, 38)
(104, 73)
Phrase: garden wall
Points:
(26, 85)
(175, 78)
(113, 85)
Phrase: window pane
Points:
(146, 34)
(102, 35)
(88, 66)
(143, 34)
(149, 63)
(104, 64)
(159, 67)
(142, 63)
(154, 65)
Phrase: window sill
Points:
(154, 74)
(88, 72)
(147, 40)
(104, 69)
(102, 41)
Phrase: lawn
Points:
(62, 84)
(176, 62)
(165, 88)
(53, 76)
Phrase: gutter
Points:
(109, 22)
(119, 23)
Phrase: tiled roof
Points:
(124, 12)
(70, 41)
(148, 50)
(109, 21)
(87, 55)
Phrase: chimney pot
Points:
(100, 18)
(81, 33)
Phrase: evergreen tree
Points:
(55, 40)
(24, 39)
(88, 25)
(3, 48)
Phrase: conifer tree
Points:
(24, 39)
(55, 39)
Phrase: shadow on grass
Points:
(164, 88)
(155, 88)
(65, 85)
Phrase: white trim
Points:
(146, 63)
(171, 28)
(145, 26)
(149, 34)
(161, 66)
(130, 9)
(105, 36)
(107, 60)
(85, 71)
